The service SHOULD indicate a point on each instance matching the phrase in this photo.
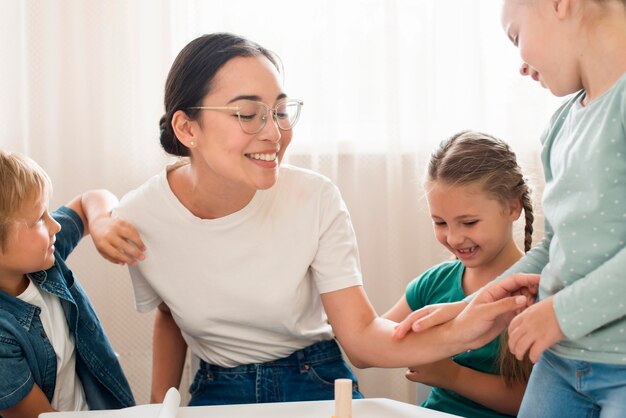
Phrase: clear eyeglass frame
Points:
(253, 119)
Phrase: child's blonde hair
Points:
(471, 157)
(21, 179)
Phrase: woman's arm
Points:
(32, 405)
(168, 354)
(489, 390)
(366, 338)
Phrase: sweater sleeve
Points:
(582, 307)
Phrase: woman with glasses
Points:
(249, 262)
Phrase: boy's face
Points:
(30, 242)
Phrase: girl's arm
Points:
(366, 338)
(32, 405)
(399, 311)
(168, 354)
(489, 390)
(116, 240)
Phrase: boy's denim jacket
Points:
(26, 355)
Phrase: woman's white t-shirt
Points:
(245, 288)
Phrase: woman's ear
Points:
(185, 129)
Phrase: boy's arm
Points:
(32, 405)
(489, 390)
(116, 240)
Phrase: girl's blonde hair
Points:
(21, 179)
(471, 157)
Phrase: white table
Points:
(361, 408)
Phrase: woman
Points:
(249, 269)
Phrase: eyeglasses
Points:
(253, 115)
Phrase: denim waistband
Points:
(320, 352)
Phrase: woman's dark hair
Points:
(192, 74)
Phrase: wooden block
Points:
(343, 398)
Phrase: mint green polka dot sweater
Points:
(582, 260)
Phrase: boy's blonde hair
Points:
(21, 179)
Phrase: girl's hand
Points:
(442, 373)
(490, 311)
(116, 240)
(534, 330)
(428, 317)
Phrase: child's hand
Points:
(490, 311)
(442, 373)
(534, 330)
(117, 240)
(428, 317)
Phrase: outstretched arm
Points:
(366, 338)
(31, 406)
(115, 239)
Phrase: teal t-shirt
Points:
(443, 283)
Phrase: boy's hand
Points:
(534, 330)
(442, 373)
(428, 317)
(116, 240)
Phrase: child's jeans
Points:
(306, 375)
(561, 387)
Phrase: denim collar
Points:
(50, 280)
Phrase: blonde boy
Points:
(54, 354)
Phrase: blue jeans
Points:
(306, 375)
(560, 387)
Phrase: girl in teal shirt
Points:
(475, 192)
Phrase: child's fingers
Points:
(407, 324)
(110, 253)
(519, 341)
(401, 330)
(506, 287)
(434, 318)
(497, 310)
(130, 233)
(536, 351)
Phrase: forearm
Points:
(488, 390)
(32, 405)
(168, 356)
(594, 300)
(92, 205)
(367, 339)
(372, 345)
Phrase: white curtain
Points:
(383, 82)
